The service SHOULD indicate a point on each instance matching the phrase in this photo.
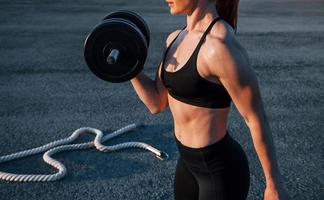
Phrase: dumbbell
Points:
(116, 49)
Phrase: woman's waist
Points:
(199, 138)
(200, 132)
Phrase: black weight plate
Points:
(122, 35)
(134, 18)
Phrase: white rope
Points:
(63, 145)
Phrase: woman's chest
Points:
(179, 52)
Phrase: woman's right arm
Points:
(152, 92)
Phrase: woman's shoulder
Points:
(171, 36)
(222, 48)
(221, 31)
(222, 28)
(222, 36)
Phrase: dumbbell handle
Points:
(113, 56)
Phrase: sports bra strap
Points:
(208, 30)
(202, 38)
(166, 49)
(205, 33)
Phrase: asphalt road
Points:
(47, 92)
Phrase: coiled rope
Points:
(63, 145)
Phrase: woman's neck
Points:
(201, 16)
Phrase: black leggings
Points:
(219, 171)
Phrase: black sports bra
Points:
(186, 85)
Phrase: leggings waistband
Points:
(219, 144)
(219, 149)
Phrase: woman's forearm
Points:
(147, 92)
(264, 146)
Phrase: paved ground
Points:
(47, 92)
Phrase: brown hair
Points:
(227, 10)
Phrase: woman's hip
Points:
(226, 154)
(221, 169)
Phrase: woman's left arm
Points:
(229, 62)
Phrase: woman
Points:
(204, 69)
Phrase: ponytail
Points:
(227, 10)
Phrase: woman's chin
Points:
(173, 12)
